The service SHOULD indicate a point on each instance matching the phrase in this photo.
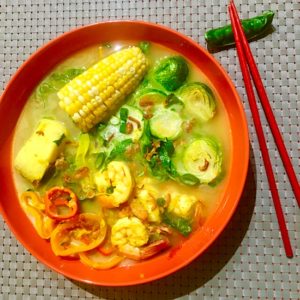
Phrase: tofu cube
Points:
(41, 149)
(181, 205)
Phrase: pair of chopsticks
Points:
(246, 60)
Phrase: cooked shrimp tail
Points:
(145, 252)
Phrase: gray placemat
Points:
(248, 260)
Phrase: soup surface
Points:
(143, 178)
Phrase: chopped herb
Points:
(169, 147)
(119, 150)
(58, 142)
(146, 139)
(161, 202)
(123, 127)
(124, 114)
(144, 46)
(189, 179)
(100, 160)
(165, 151)
(110, 189)
(105, 143)
(160, 163)
(123, 117)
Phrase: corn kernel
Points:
(93, 95)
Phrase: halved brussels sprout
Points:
(150, 97)
(171, 72)
(166, 124)
(199, 100)
(203, 159)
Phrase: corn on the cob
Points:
(93, 95)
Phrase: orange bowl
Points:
(42, 62)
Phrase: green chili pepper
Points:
(253, 28)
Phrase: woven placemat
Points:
(248, 260)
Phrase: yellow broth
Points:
(34, 110)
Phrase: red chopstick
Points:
(260, 135)
(268, 110)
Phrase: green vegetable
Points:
(168, 146)
(146, 139)
(171, 72)
(157, 170)
(83, 147)
(118, 150)
(180, 224)
(123, 114)
(203, 159)
(100, 159)
(199, 100)
(123, 127)
(161, 164)
(55, 82)
(123, 118)
(161, 202)
(144, 46)
(166, 124)
(110, 189)
(165, 152)
(189, 179)
(59, 141)
(253, 28)
(84, 186)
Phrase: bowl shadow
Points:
(202, 269)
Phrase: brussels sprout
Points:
(150, 97)
(166, 124)
(171, 72)
(199, 100)
(203, 159)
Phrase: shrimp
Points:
(129, 231)
(140, 253)
(144, 204)
(115, 184)
(182, 205)
(130, 236)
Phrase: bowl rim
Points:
(244, 170)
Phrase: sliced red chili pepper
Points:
(81, 233)
(61, 203)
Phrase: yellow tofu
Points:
(181, 205)
(41, 149)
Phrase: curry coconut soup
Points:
(121, 153)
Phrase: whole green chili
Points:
(253, 28)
